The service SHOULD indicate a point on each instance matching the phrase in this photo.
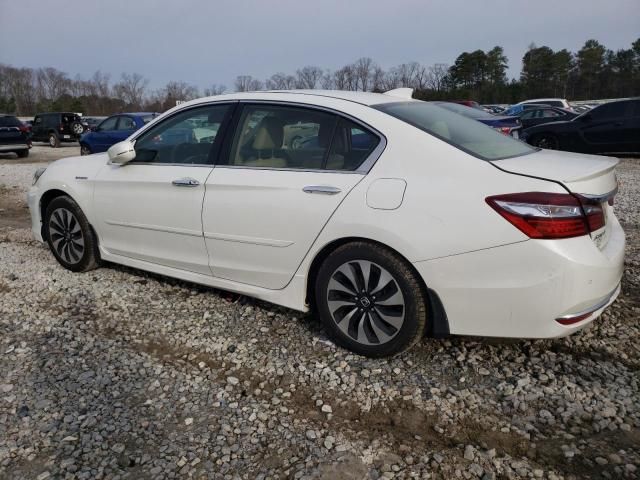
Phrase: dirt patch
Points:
(14, 212)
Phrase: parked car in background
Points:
(553, 102)
(57, 127)
(544, 114)
(516, 110)
(613, 127)
(509, 125)
(90, 123)
(14, 136)
(28, 124)
(495, 109)
(581, 108)
(468, 103)
(112, 130)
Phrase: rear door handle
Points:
(322, 189)
(185, 182)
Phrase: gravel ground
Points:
(117, 373)
(41, 152)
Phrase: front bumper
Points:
(33, 200)
(521, 290)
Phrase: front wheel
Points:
(69, 236)
(23, 153)
(546, 141)
(370, 300)
(84, 149)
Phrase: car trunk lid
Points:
(591, 178)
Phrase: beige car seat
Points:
(268, 144)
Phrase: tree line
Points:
(590, 73)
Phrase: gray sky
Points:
(204, 42)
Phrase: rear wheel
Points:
(54, 141)
(370, 300)
(546, 141)
(70, 236)
(23, 153)
(84, 149)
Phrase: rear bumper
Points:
(12, 147)
(521, 290)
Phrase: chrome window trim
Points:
(285, 169)
(209, 165)
(364, 168)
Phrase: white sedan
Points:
(391, 218)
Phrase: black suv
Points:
(57, 127)
(14, 136)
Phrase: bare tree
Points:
(308, 77)
(437, 75)
(131, 88)
(377, 79)
(246, 83)
(363, 70)
(215, 89)
(327, 80)
(51, 83)
(277, 81)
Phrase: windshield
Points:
(464, 133)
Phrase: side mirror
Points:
(121, 153)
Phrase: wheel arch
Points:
(47, 197)
(438, 323)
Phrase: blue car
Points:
(112, 130)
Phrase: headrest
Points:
(269, 134)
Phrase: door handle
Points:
(185, 182)
(322, 189)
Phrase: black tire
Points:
(84, 149)
(54, 140)
(368, 320)
(23, 153)
(65, 228)
(547, 141)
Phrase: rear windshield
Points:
(471, 112)
(464, 133)
(9, 121)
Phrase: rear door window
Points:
(351, 145)
(126, 123)
(109, 124)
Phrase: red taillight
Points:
(548, 215)
(504, 130)
(24, 129)
(61, 127)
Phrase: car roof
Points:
(533, 100)
(363, 98)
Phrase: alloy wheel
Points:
(66, 235)
(366, 302)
